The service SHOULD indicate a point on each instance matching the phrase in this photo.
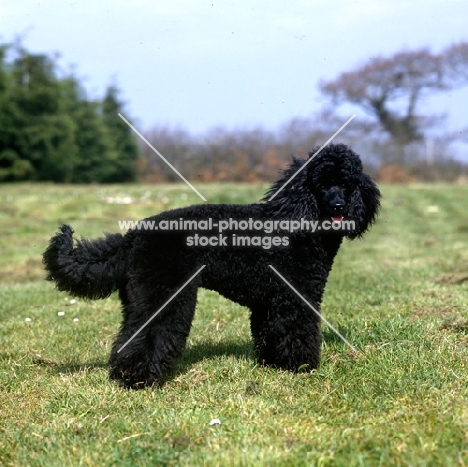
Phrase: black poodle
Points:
(227, 248)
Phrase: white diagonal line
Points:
(315, 311)
(162, 157)
(305, 165)
(162, 308)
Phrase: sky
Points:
(199, 64)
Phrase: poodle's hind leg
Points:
(143, 358)
(286, 336)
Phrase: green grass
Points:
(399, 295)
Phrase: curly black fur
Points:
(148, 266)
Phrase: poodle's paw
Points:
(131, 379)
(298, 366)
(291, 354)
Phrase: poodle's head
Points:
(330, 186)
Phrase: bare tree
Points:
(390, 89)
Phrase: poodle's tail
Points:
(91, 269)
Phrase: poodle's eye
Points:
(334, 182)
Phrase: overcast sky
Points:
(199, 64)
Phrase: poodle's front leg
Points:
(142, 357)
(287, 335)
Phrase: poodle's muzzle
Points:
(334, 203)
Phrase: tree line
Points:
(51, 131)
(258, 155)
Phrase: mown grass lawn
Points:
(400, 296)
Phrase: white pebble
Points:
(215, 421)
(73, 301)
(28, 320)
(75, 320)
(61, 313)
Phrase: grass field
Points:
(400, 296)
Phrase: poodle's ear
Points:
(364, 205)
(292, 199)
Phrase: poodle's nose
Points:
(338, 208)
